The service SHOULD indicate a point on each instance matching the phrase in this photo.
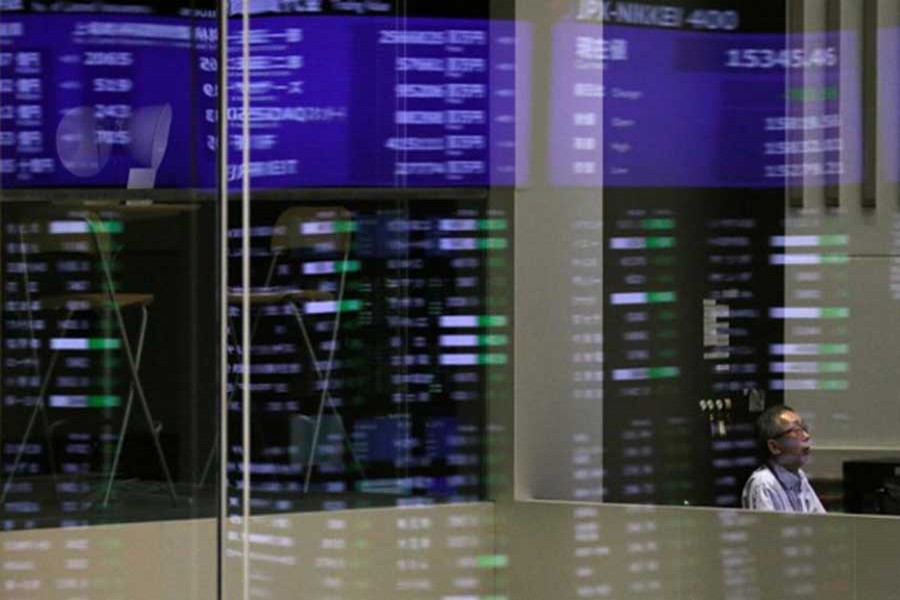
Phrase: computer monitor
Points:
(872, 486)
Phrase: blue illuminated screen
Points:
(91, 100)
(663, 107)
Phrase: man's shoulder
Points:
(762, 476)
(760, 491)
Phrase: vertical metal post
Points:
(222, 180)
(245, 293)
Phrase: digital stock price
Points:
(738, 110)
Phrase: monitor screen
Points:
(638, 106)
(97, 99)
(889, 102)
(86, 98)
(422, 102)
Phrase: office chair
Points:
(301, 228)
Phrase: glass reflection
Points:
(347, 101)
(372, 339)
(105, 380)
(666, 296)
(98, 99)
(717, 176)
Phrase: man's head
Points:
(783, 437)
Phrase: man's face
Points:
(790, 448)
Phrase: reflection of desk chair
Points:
(89, 234)
(301, 228)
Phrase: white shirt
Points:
(774, 488)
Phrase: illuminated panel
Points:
(585, 334)
(889, 102)
(419, 343)
(693, 302)
(85, 98)
(61, 363)
(816, 316)
(644, 311)
(641, 361)
(731, 113)
(335, 101)
(361, 101)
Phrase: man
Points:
(780, 484)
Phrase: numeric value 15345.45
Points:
(768, 58)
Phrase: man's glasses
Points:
(794, 429)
